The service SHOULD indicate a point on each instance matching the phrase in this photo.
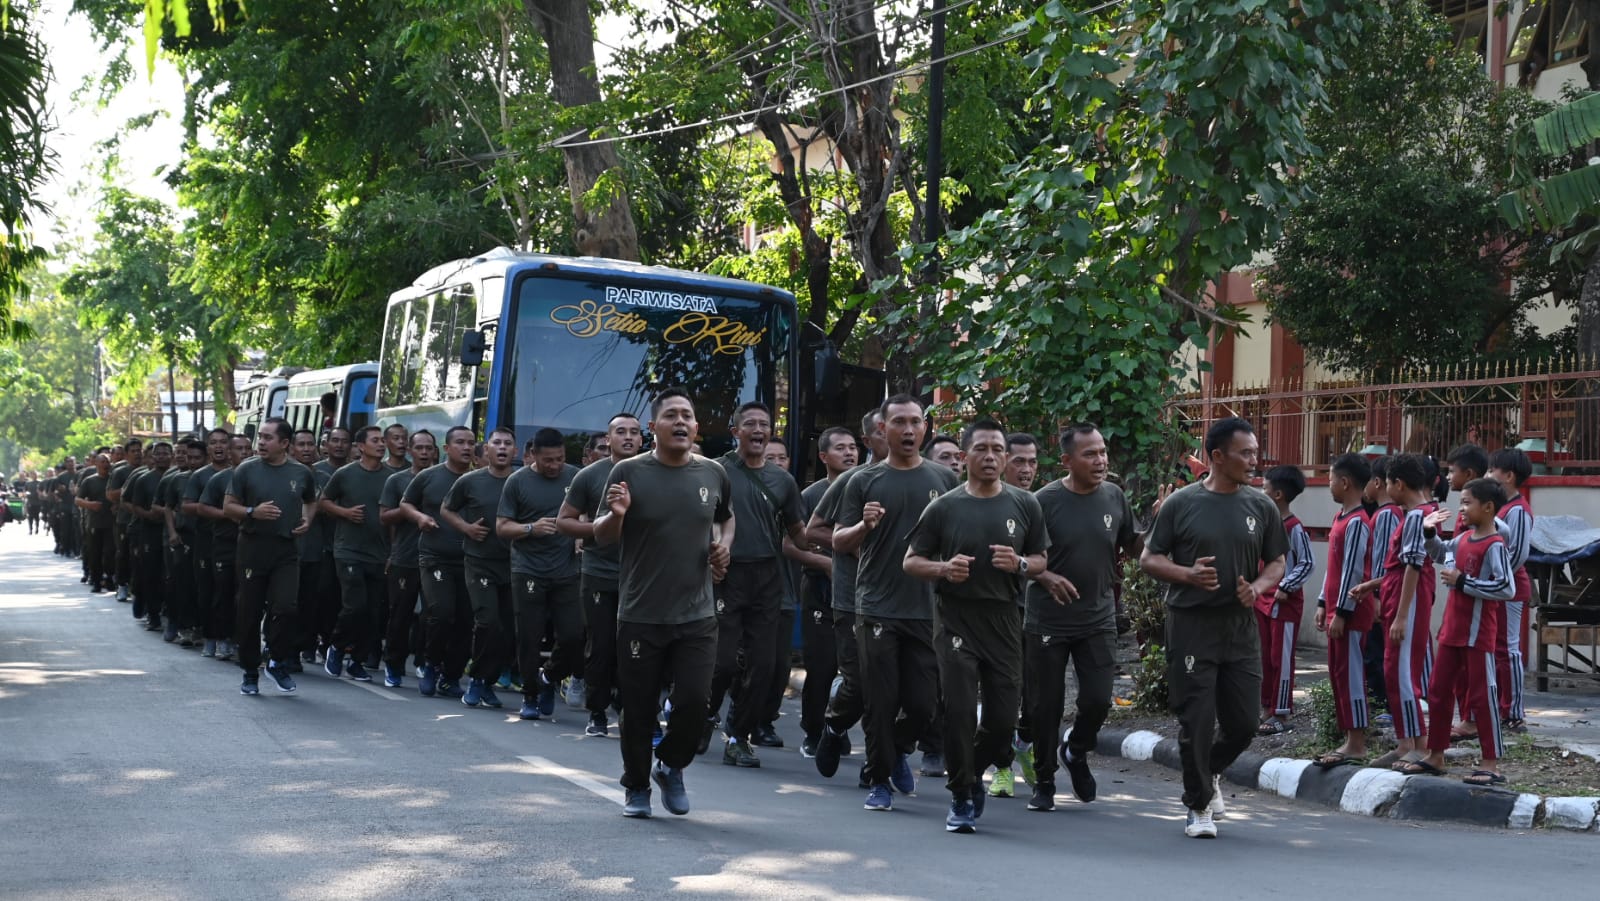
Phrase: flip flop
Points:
(1335, 758)
(1420, 768)
(1485, 778)
(1273, 727)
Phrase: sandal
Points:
(1484, 778)
(1419, 768)
(1458, 737)
(1335, 758)
(1386, 760)
(1273, 726)
(1516, 727)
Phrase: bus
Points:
(262, 398)
(528, 341)
(353, 387)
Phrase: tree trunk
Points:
(608, 230)
(172, 393)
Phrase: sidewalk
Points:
(1569, 719)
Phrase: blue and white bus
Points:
(354, 387)
(528, 340)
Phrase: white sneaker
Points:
(1216, 808)
(1200, 825)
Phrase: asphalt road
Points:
(131, 769)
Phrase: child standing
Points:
(1481, 579)
(1405, 589)
(1383, 517)
(1349, 620)
(1511, 468)
(1278, 613)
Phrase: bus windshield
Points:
(581, 351)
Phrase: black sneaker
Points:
(250, 685)
(636, 803)
(932, 763)
(738, 752)
(829, 746)
(808, 748)
(280, 676)
(356, 671)
(673, 796)
(767, 737)
(1044, 796)
(979, 796)
(597, 725)
(705, 736)
(1083, 787)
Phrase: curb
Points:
(1366, 791)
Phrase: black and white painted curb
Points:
(1372, 792)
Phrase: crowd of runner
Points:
(941, 598)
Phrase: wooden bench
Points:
(1566, 621)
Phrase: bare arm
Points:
(393, 516)
(571, 522)
(453, 520)
(819, 532)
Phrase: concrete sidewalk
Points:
(1569, 719)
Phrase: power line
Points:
(563, 143)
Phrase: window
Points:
(1548, 33)
(1469, 22)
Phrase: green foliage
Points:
(1150, 690)
(83, 436)
(50, 377)
(26, 162)
(1144, 601)
(1074, 299)
(1398, 255)
(1325, 714)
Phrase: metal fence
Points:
(1549, 408)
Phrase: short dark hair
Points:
(1353, 467)
(1470, 457)
(941, 439)
(132, 443)
(548, 437)
(219, 431)
(748, 406)
(1221, 433)
(394, 425)
(1410, 470)
(157, 446)
(895, 400)
(506, 430)
(981, 424)
(666, 395)
(1287, 479)
(361, 434)
(188, 441)
(329, 400)
(1021, 439)
(421, 433)
(298, 432)
(1488, 491)
(1514, 461)
(1380, 467)
(825, 440)
(280, 425)
(1070, 435)
(623, 415)
(450, 432)
(336, 428)
(870, 419)
(103, 449)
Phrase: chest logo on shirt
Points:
(402, 583)
(1044, 639)
(1107, 520)
(816, 617)
(633, 648)
(1011, 528)
(294, 484)
(933, 494)
(705, 495)
(248, 573)
(955, 642)
(1250, 523)
(483, 582)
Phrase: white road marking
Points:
(580, 778)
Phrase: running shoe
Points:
(1083, 784)
(547, 695)
(393, 676)
(901, 777)
(449, 689)
(356, 671)
(879, 798)
(474, 695)
(1025, 760)
(932, 763)
(577, 695)
(961, 818)
(767, 737)
(979, 798)
(808, 748)
(636, 803)
(673, 796)
(828, 751)
(737, 752)
(657, 735)
(597, 725)
(427, 681)
(1200, 825)
(490, 699)
(334, 663)
(1004, 784)
(209, 649)
(280, 676)
(224, 650)
(1044, 796)
(504, 681)
(249, 686)
(529, 711)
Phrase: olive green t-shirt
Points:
(958, 522)
(289, 484)
(1086, 532)
(403, 537)
(169, 494)
(224, 531)
(476, 496)
(119, 482)
(762, 499)
(426, 492)
(93, 488)
(529, 496)
(194, 488)
(845, 566)
(318, 540)
(666, 538)
(587, 495)
(882, 587)
(1242, 530)
(141, 492)
(352, 485)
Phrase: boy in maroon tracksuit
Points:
(1278, 612)
(1511, 468)
(1481, 580)
(1349, 620)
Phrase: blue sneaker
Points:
(656, 736)
(673, 796)
(962, 819)
(978, 797)
(393, 676)
(504, 681)
(427, 681)
(356, 671)
(879, 798)
(901, 777)
(249, 686)
(529, 711)
(448, 689)
(636, 803)
(490, 699)
(547, 695)
(334, 663)
(280, 676)
(474, 695)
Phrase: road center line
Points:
(580, 778)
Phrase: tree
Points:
(1075, 298)
(1398, 256)
(26, 161)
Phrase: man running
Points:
(670, 512)
(469, 508)
(447, 615)
(403, 577)
(273, 499)
(224, 548)
(836, 450)
(149, 535)
(1218, 544)
(600, 567)
(99, 550)
(133, 454)
(899, 672)
(350, 500)
(202, 547)
(544, 572)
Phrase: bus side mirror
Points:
(825, 368)
(472, 345)
(250, 430)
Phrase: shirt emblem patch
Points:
(531, 585)
(1107, 520)
(705, 494)
(955, 642)
(1011, 528)
(1250, 523)
(438, 575)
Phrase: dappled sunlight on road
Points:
(785, 875)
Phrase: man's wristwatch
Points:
(249, 512)
(527, 528)
(1022, 566)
